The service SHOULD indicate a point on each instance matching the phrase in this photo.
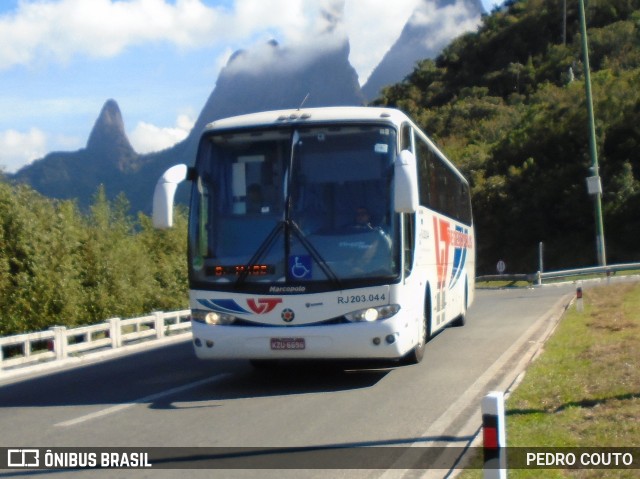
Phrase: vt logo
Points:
(263, 305)
(443, 240)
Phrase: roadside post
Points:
(579, 303)
(540, 262)
(494, 436)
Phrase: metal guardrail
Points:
(59, 343)
(539, 277)
(531, 278)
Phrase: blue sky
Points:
(60, 60)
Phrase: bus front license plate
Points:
(280, 344)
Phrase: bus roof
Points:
(309, 115)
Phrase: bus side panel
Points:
(445, 253)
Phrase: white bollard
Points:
(159, 324)
(114, 332)
(59, 342)
(494, 436)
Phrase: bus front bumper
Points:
(388, 339)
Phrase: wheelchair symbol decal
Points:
(300, 267)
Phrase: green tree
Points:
(59, 266)
(38, 240)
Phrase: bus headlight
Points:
(373, 314)
(212, 317)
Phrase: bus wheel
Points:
(417, 353)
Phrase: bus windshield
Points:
(295, 206)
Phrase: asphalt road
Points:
(165, 397)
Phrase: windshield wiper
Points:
(260, 252)
(293, 229)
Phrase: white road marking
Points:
(152, 397)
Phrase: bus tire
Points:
(417, 353)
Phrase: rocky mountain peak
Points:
(108, 129)
(108, 139)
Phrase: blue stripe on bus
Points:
(223, 306)
(459, 259)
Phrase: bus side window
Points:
(409, 227)
(426, 187)
(406, 141)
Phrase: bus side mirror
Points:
(406, 198)
(164, 195)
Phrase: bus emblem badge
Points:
(287, 315)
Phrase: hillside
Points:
(507, 104)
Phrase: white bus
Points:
(330, 233)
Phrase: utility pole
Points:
(564, 23)
(593, 182)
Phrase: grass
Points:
(584, 390)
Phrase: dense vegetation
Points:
(59, 266)
(507, 105)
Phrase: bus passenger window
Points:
(409, 241)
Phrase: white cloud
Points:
(147, 138)
(447, 22)
(297, 55)
(373, 26)
(102, 28)
(18, 149)
(58, 31)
